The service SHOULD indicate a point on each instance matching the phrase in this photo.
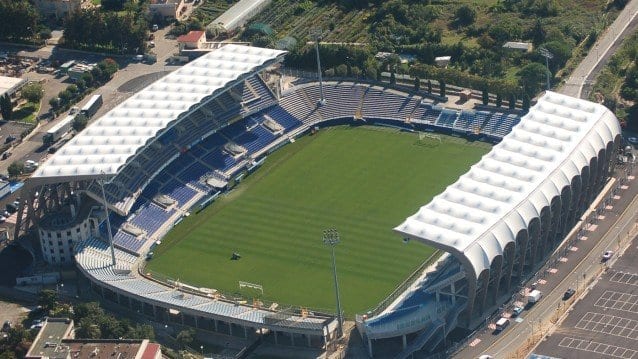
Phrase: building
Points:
(519, 46)
(11, 86)
(56, 340)
(239, 14)
(57, 8)
(191, 41)
(168, 9)
(59, 232)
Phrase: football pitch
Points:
(363, 181)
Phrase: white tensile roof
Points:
(108, 143)
(482, 212)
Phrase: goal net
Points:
(428, 139)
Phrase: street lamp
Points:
(201, 347)
(331, 238)
(316, 33)
(547, 55)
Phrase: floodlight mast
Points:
(108, 221)
(547, 55)
(331, 238)
(316, 34)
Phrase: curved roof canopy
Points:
(482, 212)
(108, 143)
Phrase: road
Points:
(582, 77)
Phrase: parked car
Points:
(6, 155)
(10, 138)
(517, 311)
(6, 326)
(569, 293)
(607, 255)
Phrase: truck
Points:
(91, 107)
(502, 323)
(534, 296)
(60, 129)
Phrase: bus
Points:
(92, 106)
(60, 129)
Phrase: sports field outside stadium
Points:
(362, 181)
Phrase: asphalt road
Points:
(582, 77)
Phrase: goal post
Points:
(254, 286)
(425, 137)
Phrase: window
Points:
(50, 242)
(59, 243)
(61, 251)
(51, 250)
(49, 234)
(59, 234)
(77, 230)
(70, 241)
(68, 233)
(62, 259)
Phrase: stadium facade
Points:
(173, 148)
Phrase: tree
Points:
(79, 122)
(465, 15)
(526, 101)
(442, 88)
(531, 77)
(393, 78)
(485, 97)
(65, 97)
(32, 92)
(417, 84)
(47, 297)
(511, 101)
(19, 18)
(6, 107)
(429, 86)
(341, 70)
(87, 77)
(499, 100)
(72, 89)
(81, 84)
(185, 337)
(54, 102)
(371, 72)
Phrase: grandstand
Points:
(179, 141)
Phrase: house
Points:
(57, 8)
(191, 41)
(519, 46)
(168, 9)
(11, 86)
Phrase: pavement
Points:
(604, 321)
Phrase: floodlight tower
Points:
(108, 221)
(548, 56)
(331, 238)
(316, 34)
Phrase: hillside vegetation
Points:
(471, 32)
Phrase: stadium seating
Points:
(151, 217)
(127, 241)
(284, 118)
(179, 192)
(447, 118)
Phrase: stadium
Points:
(187, 139)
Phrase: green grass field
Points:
(362, 181)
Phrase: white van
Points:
(502, 324)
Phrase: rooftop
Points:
(105, 146)
(482, 212)
(47, 342)
(192, 36)
(9, 84)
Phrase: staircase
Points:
(422, 339)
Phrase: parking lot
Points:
(604, 323)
